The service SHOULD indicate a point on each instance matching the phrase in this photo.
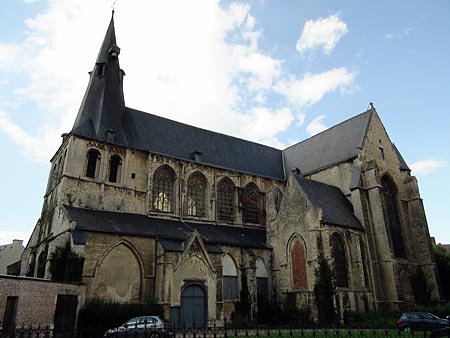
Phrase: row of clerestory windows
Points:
(93, 166)
(250, 199)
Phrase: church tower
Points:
(102, 109)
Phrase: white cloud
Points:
(7, 237)
(206, 69)
(262, 125)
(427, 166)
(312, 87)
(316, 126)
(324, 32)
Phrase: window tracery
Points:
(163, 190)
(225, 200)
(339, 260)
(252, 203)
(196, 195)
(390, 197)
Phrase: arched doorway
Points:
(193, 306)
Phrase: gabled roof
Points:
(337, 144)
(168, 229)
(403, 164)
(163, 136)
(336, 209)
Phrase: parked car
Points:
(423, 321)
(142, 327)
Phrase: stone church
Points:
(167, 212)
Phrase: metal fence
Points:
(39, 331)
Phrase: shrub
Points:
(66, 265)
(324, 291)
(371, 320)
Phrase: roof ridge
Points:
(331, 128)
(204, 129)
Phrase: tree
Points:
(442, 259)
(324, 291)
(66, 265)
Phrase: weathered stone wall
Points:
(298, 220)
(120, 268)
(36, 298)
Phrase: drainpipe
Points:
(180, 194)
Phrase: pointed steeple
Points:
(103, 106)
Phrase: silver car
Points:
(144, 326)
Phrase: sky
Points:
(270, 71)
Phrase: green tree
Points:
(442, 259)
(324, 291)
(66, 265)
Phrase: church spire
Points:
(103, 106)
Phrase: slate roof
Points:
(336, 209)
(168, 229)
(403, 165)
(337, 144)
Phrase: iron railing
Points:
(215, 331)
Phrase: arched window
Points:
(93, 163)
(230, 278)
(392, 216)
(339, 260)
(163, 189)
(298, 262)
(262, 280)
(196, 195)
(252, 202)
(115, 166)
(42, 260)
(225, 200)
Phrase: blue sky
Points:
(274, 72)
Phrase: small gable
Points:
(336, 209)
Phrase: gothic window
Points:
(41, 263)
(115, 166)
(196, 195)
(225, 200)
(163, 190)
(93, 160)
(339, 260)
(392, 215)
(252, 202)
(262, 280)
(298, 262)
(230, 279)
